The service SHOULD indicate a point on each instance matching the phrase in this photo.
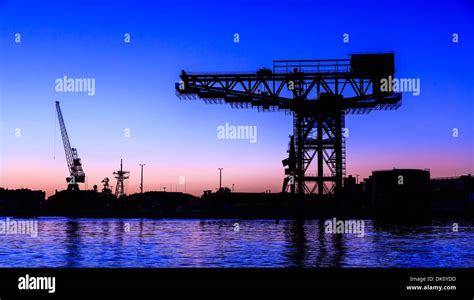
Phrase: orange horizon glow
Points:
(198, 179)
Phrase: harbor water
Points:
(176, 243)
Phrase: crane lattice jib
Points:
(72, 159)
(357, 79)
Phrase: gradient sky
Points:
(135, 87)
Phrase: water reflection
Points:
(66, 242)
(295, 234)
(72, 243)
(310, 246)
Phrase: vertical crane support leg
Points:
(319, 153)
(300, 153)
(338, 151)
(320, 136)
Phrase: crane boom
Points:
(76, 172)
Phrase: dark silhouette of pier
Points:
(381, 196)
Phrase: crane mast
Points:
(76, 173)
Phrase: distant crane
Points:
(76, 173)
(121, 175)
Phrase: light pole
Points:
(141, 182)
(220, 178)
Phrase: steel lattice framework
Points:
(120, 175)
(319, 93)
(74, 164)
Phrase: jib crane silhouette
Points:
(76, 173)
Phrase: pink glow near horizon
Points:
(17, 175)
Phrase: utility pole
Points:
(220, 178)
(141, 182)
